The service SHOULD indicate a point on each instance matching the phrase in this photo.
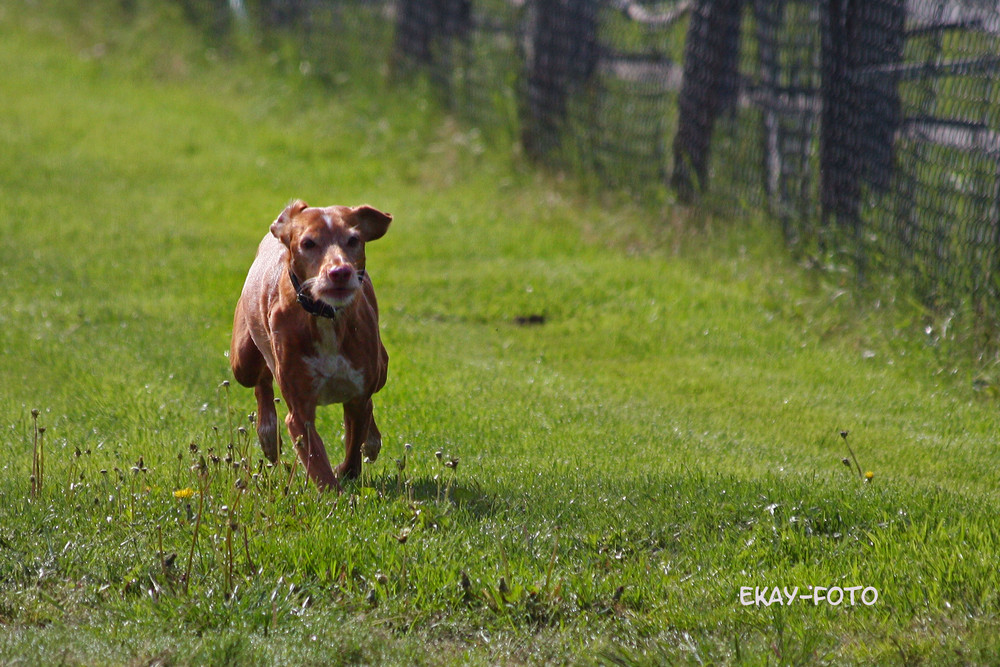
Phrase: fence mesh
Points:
(867, 130)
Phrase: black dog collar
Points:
(311, 305)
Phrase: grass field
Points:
(666, 437)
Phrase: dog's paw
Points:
(371, 447)
(270, 441)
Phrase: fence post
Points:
(283, 13)
(213, 14)
(563, 58)
(425, 30)
(862, 45)
(769, 16)
(710, 87)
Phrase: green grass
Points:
(669, 435)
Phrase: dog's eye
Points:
(353, 242)
(307, 244)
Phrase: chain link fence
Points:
(870, 131)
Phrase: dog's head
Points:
(326, 247)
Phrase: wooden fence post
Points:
(711, 86)
(426, 28)
(862, 44)
(564, 57)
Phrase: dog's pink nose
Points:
(340, 274)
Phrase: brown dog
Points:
(308, 318)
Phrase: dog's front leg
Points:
(301, 422)
(357, 418)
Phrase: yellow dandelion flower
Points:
(869, 475)
(181, 494)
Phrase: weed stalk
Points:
(403, 538)
(232, 527)
(203, 472)
(843, 435)
(452, 465)
(229, 413)
(246, 547)
(37, 456)
(295, 464)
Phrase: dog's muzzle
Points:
(311, 305)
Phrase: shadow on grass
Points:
(466, 495)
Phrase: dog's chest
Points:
(334, 378)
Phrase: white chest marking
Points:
(335, 380)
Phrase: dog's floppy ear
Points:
(281, 227)
(371, 222)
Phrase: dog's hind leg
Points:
(267, 419)
(250, 370)
(245, 359)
